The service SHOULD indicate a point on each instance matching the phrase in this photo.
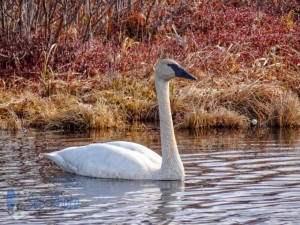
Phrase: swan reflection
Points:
(109, 198)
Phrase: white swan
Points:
(127, 160)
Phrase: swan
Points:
(127, 160)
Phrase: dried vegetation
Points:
(95, 71)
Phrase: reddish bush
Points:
(259, 29)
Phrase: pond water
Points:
(232, 177)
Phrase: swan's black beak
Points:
(180, 72)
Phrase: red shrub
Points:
(174, 29)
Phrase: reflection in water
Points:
(120, 200)
(231, 178)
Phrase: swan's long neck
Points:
(172, 167)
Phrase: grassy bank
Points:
(244, 53)
(125, 100)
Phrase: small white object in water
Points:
(254, 122)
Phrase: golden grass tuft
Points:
(269, 104)
(221, 117)
(81, 116)
(235, 106)
(71, 113)
(287, 111)
(9, 120)
(56, 112)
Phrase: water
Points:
(231, 178)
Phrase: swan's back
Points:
(117, 159)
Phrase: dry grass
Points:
(56, 112)
(122, 101)
(237, 105)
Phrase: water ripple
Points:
(231, 178)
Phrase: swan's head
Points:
(167, 69)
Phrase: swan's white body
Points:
(127, 160)
(118, 159)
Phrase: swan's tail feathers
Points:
(54, 157)
(42, 155)
(58, 160)
(51, 156)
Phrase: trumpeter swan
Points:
(127, 160)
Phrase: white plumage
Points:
(117, 159)
(127, 160)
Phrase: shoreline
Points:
(124, 100)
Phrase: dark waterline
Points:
(232, 177)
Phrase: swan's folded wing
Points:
(153, 156)
(106, 160)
